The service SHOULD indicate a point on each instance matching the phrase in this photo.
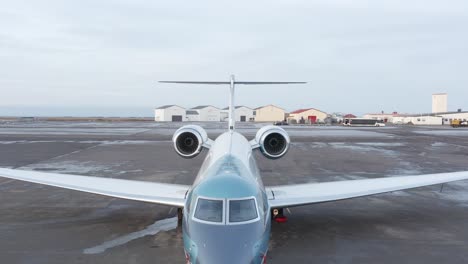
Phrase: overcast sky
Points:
(92, 57)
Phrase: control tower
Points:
(439, 103)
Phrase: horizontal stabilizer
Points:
(236, 82)
(231, 84)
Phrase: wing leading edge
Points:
(302, 194)
(160, 193)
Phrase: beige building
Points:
(269, 113)
(309, 115)
(439, 103)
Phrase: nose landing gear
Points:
(180, 215)
(278, 215)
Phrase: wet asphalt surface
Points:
(40, 224)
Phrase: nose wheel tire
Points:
(180, 215)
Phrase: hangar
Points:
(241, 113)
(192, 115)
(309, 115)
(171, 113)
(269, 113)
(204, 113)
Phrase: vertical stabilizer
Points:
(231, 83)
(232, 107)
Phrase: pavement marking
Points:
(57, 157)
(158, 226)
(6, 182)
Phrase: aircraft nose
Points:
(224, 244)
(233, 248)
(226, 256)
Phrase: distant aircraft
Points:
(226, 214)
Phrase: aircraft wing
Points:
(160, 193)
(301, 194)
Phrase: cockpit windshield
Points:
(242, 210)
(209, 210)
(236, 211)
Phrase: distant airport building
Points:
(192, 116)
(444, 118)
(269, 113)
(204, 113)
(309, 115)
(349, 116)
(241, 113)
(417, 120)
(448, 117)
(438, 116)
(386, 117)
(172, 113)
(439, 103)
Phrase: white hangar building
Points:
(192, 115)
(241, 113)
(171, 113)
(204, 113)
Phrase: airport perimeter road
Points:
(46, 225)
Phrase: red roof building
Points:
(309, 115)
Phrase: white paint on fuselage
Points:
(232, 144)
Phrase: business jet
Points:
(226, 213)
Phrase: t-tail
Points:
(232, 83)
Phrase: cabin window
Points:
(208, 210)
(241, 211)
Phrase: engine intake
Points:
(188, 140)
(273, 141)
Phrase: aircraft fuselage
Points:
(226, 217)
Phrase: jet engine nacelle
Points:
(188, 140)
(273, 141)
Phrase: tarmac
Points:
(47, 225)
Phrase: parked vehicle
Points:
(281, 123)
(363, 122)
(459, 123)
